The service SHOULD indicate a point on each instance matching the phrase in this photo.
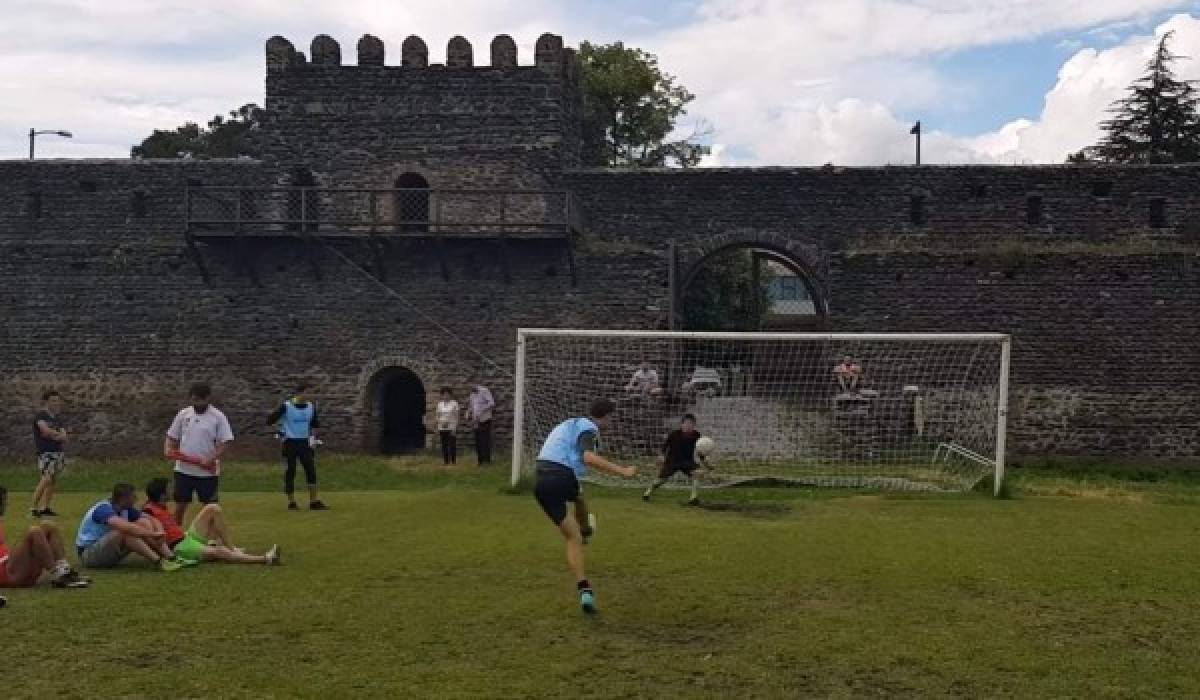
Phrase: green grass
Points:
(421, 583)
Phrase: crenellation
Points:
(414, 53)
(459, 53)
(504, 52)
(370, 51)
(548, 52)
(325, 51)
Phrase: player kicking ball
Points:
(563, 461)
(680, 454)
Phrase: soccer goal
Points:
(906, 411)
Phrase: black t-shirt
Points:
(681, 448)
(41, 442)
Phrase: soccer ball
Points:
(705, 446)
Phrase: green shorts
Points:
(190, 547)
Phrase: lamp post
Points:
(916, 131)
(33, 134)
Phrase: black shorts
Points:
(669, 470)
(205, 488)
(556, 485)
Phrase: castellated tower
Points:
(380, 124)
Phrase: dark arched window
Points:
(302, 203)
(411, 204)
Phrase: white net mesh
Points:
(842, 410)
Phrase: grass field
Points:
(421, 583)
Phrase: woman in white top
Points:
(447, 425)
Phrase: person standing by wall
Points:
(448, 412)
(297, 418)
(479, 411)
(49, 438)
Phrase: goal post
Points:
(909, 411)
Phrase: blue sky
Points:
(778, 81)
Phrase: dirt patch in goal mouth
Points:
(762, 510)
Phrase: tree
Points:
(630, 108)
(223, 138)
(1158, 122)
(721, 295)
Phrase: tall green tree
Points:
(1157, 122)
(631, 108)
(224, 137)
(721, 296)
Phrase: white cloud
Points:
(780, 81)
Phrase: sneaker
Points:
(3, 601)
(317, 505)
(693, 501)
(35, 513)
(187, 562)
(169, 564)
(47, 513)
(587, 601)
(646, 495)
(70, 580)
(292, 506)
(80, 576)
(272, 555)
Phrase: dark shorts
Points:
(556, 486)
(205, 488)
(668, 470)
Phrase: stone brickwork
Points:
(1094, 270)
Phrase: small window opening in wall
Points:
(1102, 188)
(916, 210)
(1158, 212)
(33, 204)
(138, 204)
(1033, 210)
(88, 186)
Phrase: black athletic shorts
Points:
(205, 488)
(669, 469)
(556, 485)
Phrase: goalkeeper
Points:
(298, 422)
(565, 456)
(679, 455)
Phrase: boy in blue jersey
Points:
(297, 418)
(569, 450)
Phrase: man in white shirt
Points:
(196, 440)
(644, 381)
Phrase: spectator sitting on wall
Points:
(644, 381)
(849, 375)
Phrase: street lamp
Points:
(33, 134)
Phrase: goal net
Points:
(876, 411)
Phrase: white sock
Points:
(61, 568)
(695, 487)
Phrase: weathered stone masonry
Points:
(1094, 270)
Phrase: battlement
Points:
(549, 54)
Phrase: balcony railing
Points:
(267, 212)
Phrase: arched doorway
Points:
(302, 201)
(411, 206)
(400, 398)
(745, 287)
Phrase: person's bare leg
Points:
(140, 547)
(210, 525)
(39, 492)
(581, 517)
(55, 540)
(32, 553)
(231, 556)
(48, 492)
(570, 531)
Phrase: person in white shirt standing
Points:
(479, 410)
(196, 440)
(447, 424)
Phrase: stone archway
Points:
(793, 263)
(394, 400)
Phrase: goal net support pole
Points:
(923, 411)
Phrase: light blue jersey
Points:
(562, 444)
(296, 422)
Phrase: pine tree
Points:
(1158, 122)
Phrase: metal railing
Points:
(215, 211)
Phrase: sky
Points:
(778, 82)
